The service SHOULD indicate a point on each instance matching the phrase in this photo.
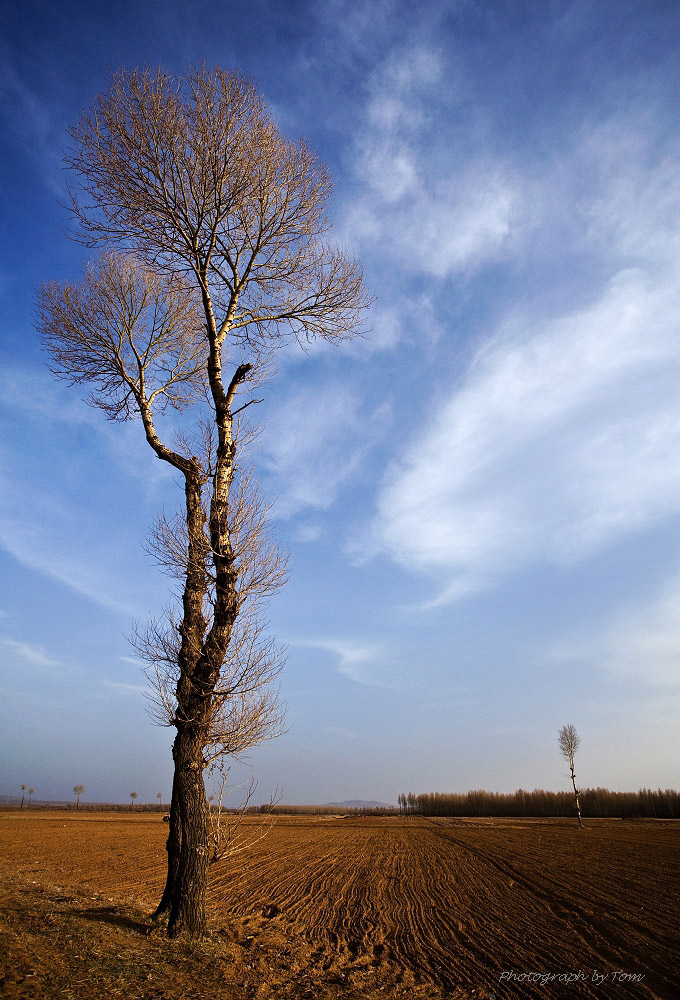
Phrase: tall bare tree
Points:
(78, 791)
(569, 742)
(211, 229)
(31, 793)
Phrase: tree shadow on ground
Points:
(110, 915)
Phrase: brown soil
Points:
(348, 908)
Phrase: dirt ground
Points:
(348, 908)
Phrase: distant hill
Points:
(359, 804)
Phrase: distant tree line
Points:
(284, 810)
(48, 805)
(595, 802)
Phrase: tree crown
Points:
(569, 742)
(193, 175)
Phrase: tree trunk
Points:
(187, 913)
(576, 798)
(200, 659)
(172, 846)
(186, 835)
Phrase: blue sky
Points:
(481, 499)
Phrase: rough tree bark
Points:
(173, 846)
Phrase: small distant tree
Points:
(569, 742)
(30, 795)
(23, 790)
(133, 796)
(78, 791)
(159, 796)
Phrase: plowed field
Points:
(408, 907)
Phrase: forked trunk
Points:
(200, 659)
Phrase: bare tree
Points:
(31, 792)
(159, 796)
(133, 796)
(23, 793)
(569, 742)
(78, 791)
(211, 226)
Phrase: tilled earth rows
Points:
(462, 906)
(459, 903)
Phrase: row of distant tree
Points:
(79, 790)
(595, 802)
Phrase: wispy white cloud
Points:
(34, 543)
(31, 394)
(35, 654)
(641, 641)
(358, 661)
(127, 690)
(565, 433)
(308, 533)
(632, 211)
(400, 321)
(315, 441)
(33, 123)
(56, 526)
(437, 213)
